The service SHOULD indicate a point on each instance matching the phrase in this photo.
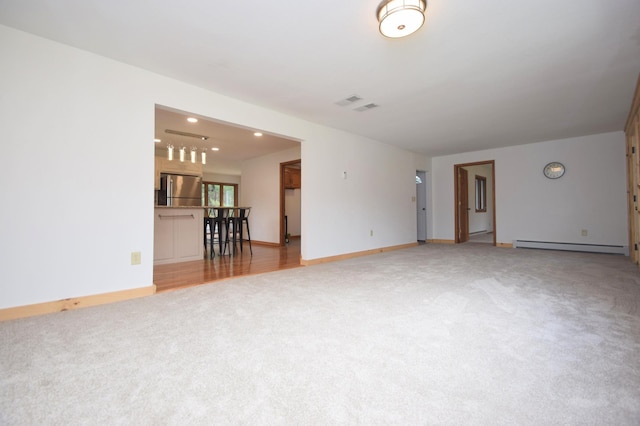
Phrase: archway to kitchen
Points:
(243, 160)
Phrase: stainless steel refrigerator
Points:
(180, 190)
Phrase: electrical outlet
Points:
(585, 232)
(136, 258)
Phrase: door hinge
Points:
(635, 246)
(633, 149)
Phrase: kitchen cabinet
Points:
(292, 178)
(178, 234)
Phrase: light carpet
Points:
(435, 334)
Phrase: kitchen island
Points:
(178, 234)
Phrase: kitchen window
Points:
(218, 194)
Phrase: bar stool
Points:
(237, 222)
(220, 226)
(208, 223)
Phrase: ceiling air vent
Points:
(366, 107)
(350, 100)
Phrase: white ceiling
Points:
(479, 74)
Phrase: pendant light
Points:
(182, 151)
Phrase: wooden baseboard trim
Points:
(504, 245)
(263, 243)
(307, 262)
(436, 241)
(74, 303)
(269, 244)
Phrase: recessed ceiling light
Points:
(157, 140)
(215, 149)
(257, 134)
(192, 120)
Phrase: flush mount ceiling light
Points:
(400, 18)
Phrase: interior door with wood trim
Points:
(633, 193)
(632, 131)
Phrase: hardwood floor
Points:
(264, 259)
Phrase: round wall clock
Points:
(554, 170)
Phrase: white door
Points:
(421, 204)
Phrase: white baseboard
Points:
(592, 248)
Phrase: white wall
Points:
(73, 211)
(591, 195)
(338, 214)
(261, 191)
(293, 210)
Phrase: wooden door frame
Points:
(631, 196)
(282, 209)
(632, 134)
(462, 187)
(456, 167)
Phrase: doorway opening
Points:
(228, 147)
(290, 200)
(421, 205)
(475, 201)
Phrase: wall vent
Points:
(592, 248)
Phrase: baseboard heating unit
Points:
(593, 248)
